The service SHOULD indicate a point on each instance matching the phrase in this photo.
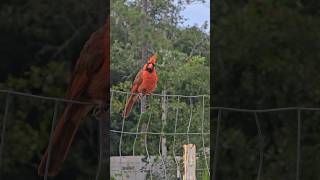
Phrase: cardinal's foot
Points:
(140, 95)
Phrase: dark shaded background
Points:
(40, 42)
(266, 55)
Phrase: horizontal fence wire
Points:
(47, 98)
(266, 110)
(128, 170)
(88, 102)
(159, 133)
(165, 95)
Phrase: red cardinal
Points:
(90, 82)
(144, 84)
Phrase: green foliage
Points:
(266, 57)
(29, 124)
(40, 40)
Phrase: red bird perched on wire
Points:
(145, 83)
(90, 82)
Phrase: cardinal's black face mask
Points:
(150, 67)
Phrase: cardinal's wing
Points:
(91, 58)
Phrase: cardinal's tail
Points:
(62, 138)
(131, 100)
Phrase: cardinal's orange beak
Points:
(153, 59)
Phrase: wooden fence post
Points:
(164, 124)
(189, 161)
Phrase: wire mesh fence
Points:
(25, 124)
(153, 141)
(264, 144)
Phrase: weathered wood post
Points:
(189, 161)
(164, 121)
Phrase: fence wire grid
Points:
(224, 115)
(153, 139)
(149, 145)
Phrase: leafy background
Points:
(40, 43)
(266, 56)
